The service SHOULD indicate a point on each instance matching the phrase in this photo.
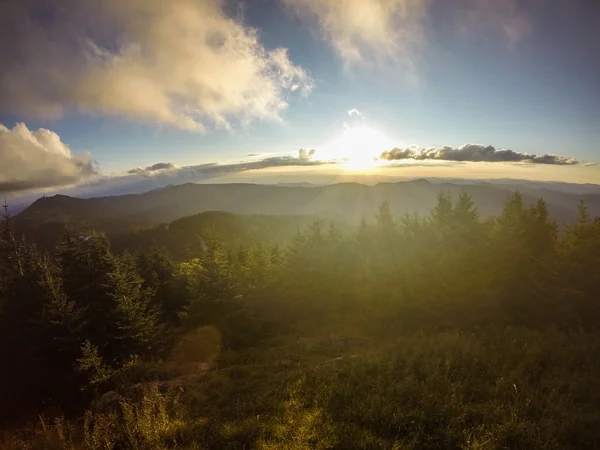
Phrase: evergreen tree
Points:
(136, 328)
(40, 328)
(384, 218)
(213, 288)
(120, 316)
(542, 230)
(442, 213)
(159, 275)
(465, 213)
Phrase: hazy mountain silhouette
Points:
(343, 203)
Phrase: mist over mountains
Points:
(342, 203)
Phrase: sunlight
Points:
(359, 147)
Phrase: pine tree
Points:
(384, 218)
(465, 213)
(213, 288)
(542, 230)
(579, 254)
(120, 316)
(583, 213)
(441, 215)
(10, 262)
(60, 323)
(159, 275)
(276, 257)
(513, 258)
(384, 258)
(40, 329)
(135, 326)
(334, 235)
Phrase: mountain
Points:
(343, 202)
(300, 184)
(570, 188)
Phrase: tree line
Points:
(72, 318)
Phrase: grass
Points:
(448, 390)
(155, 421)
(351, 383)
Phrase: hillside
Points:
(440, 331)
(343, 203)
(186, 237)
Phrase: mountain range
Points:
(343, 203)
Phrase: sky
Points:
(113, 96)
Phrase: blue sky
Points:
(273, 76)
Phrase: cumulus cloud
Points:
(38, 159)
(474, 153)
(367, 31)
(183, 63)
(158, 167)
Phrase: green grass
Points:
(353, 384)
(516, 389)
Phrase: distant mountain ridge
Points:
(342, 202)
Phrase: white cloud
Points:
(179, 62)
(38, 159)
(395, 33)
(368, 31)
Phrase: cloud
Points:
(158, 167)
(474, 153)
(140, 180)
(396, 32)
(38, 159)
(183, 63)
(161, 166)
(210, 170)
(368, 31)
(306, 155)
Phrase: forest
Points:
(437, 331)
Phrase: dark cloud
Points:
(304, 158)
(161, 166)
(140, 180)
(151, 169)
(475, 153)
(306, 154)
(39, 159)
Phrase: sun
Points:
(359, 147)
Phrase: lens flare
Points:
(359, 147)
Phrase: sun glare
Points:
(359, 147)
